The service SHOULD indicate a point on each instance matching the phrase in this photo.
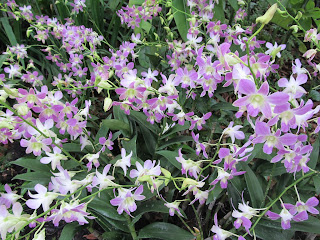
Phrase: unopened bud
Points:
(111, 73)
(241, 2)
(22, 108)
(299, 15)
(295, 28)
(170, 17)
(6, 124)
(29, 31)
(166, 173)
(193, 21)
(275, 52)
(189, 181)
(161, 20)
(282, 13)
(231, 59)
(104, 85)
(156, 36)
(10, 92)
(167, 29)
(107, 104)
(266, 18)
(145, 178)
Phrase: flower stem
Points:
(132, 228)
(275, 200)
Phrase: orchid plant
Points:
(195, 123)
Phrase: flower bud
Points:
(266, 18)
(188, 182)
(241, 2)
(111, 73)
(170, 17)
(11, 92)
(156, 36)
(145, 178)
(40, 235)
(107, 104)
(161, 20)
(29, 31)
(295, 28)
(299, 15)
(6, 124)
(282, 13)
(104, 84)
(22, 108)
(275, 52)
(310, 54)
(167, 29)
(167, 174)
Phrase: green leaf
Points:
(113, 4)
(143, 58)
(316, 182)
(257, 149)
(234, 4)
(176, 128)
(40, 177)
(96, 9)
(312, 225)
(224, 106)
(105, 210)
(152, 206)
(114, 235)
(32, 163)
(62, 10)
(314, 156)
(115, 124)
(69, 231)
(171, 156)
(131, 145)
(214, 194)
(2, 59)
(72, 147)
(282, 21)
(293, 2)
(123, 226)
(254, 187)
(166, 231)
(218, 11)
(181, 18)
(103, 132)
(145, 26)
(178, 139)
(135, 2)
(271, 230)
(142, 120)
(150, 139)
(9, 32)
(315, 95)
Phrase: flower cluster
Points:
(133, 16)
(47, 118)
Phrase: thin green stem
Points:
(184, 222)
(277, 199)
(251, 70)
(198, 219)
(132, 228)
(298, 23)
(256, 33)
(268, 186)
